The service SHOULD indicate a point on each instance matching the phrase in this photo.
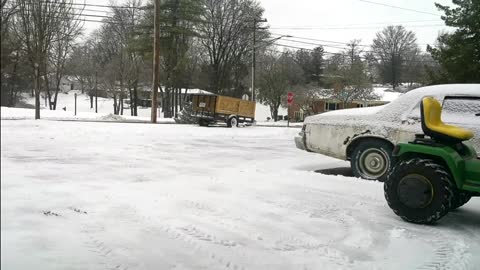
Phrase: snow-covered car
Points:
(367, 136)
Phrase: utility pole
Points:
(255, 21)
(156, 59)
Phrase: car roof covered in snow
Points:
(400, 106)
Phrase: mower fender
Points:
(447, 155)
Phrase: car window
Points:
(461, 110)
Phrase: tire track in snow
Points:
(100, 248)
(450, 252)
(188, 235)
(307, 242)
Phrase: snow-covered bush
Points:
(185, 116)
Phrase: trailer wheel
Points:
(232, 122)
(203, 123)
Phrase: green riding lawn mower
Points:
(433, 174)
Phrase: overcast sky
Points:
(338, 20)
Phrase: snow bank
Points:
(7, 113)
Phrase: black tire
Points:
(232, 122)
(460, 197)
(419, 190)
(372, 160)
(203, 123)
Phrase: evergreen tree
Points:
(459, 53)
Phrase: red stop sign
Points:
(290, 98)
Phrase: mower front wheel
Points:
(460, 197)
(419, 190)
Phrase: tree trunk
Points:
(274, 112)
(130, 92)
(55, 97)
(91, 100)
(115, 104)
(135, 99)
(121, 104)
(176, 103)
(167, 104)
(37, 92)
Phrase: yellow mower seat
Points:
(433, 126)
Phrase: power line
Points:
(322, 40)
(355, 24)
(330, 41)
(408, 9)
(310, 43)
(349, 28)
(339, 53)
(96, 5)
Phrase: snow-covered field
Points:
(105, 110)
(134, 196)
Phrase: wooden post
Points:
(156, 60)
(75, 103)
(96, 92)
(288, 115)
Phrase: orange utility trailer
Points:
(210, 109)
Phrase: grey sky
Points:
(339, 20)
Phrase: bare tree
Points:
(279, 73)
(62, 46)
(227, 38)
(391, 46)
(348, 78)
(40, 24)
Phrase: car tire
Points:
(232, 122)
(372, 160)
(419, 190)
(460, 197)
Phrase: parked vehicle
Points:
(210, 109)
(433, 174)
(367, 136)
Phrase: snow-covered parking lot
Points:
(138, 196)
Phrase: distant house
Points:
(325, 104)
(68, 83)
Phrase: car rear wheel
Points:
(372, 160)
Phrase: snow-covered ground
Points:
(105, 110)
(134, 196)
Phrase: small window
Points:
(359, 105)
(331, 106)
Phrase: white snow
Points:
(137, 196)
(386, 94)
(263, 111)
(355, 111)
(105, 108)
